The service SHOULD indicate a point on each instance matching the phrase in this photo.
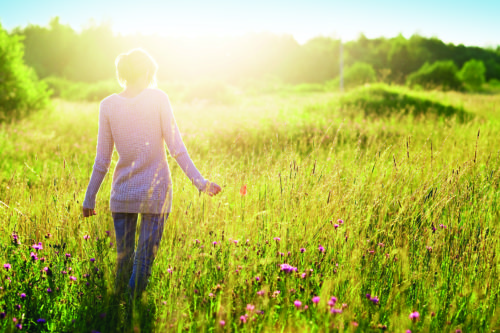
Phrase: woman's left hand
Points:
(87, 212)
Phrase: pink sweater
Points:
(138, 127)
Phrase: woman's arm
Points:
(178, 150)
(102, 161)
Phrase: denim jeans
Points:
(136, 265)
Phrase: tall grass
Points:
(417, 196)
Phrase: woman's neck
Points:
(133, 90)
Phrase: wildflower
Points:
(2, 315)
(64, 272)
(303, 275)
(18, 306)
(414, 315)
(211, 295)
(243, 319)
(23, 295)
(408, 331)
(19, 326)
(37, 246)
(443, 226)
(222, 323)
(107, 233)
(260, 293)
(49, 290)
(458, 330)
(321, 249)
(235, 242)
(33, 256)
(302, 250)
(276, 293)
(15, 238)
(381, 244)
(72, 278)
(297, 304)
(92, 259)
(257, 278)
(41, 321)
(169, 270)
(214, 243)
(429, 248)
(68, 255)
(288, 268)
(243, 190)
(333, 310)
(86, 237)
(197, 241)
(14, 319)
(7, 266)
(250, 307)
(374, 299)
(335, 226)
(48, 235)
(355, 324)
(332, 301)
(315, 299)
(110, 244)
(277, 239)
(340, 221)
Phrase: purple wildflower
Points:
(297, 304)
(302, 250)
(333, 310)
(257, 278)
(315, 299)
(260, 293)
(49, 290)
(72, 278)
(414, 315)
(41, 321)
(86, 237)
(23, 295)
(222, 323)
(2, 315)
(321, 249)
(7, 266)
(18, 306)
(340, 221)
(243, 319)
(68, 255)
(288, 268)
(92, 259)
(335, 226)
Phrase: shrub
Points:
(441, 74)
(20, 90)
(358, 74)
(473, 74)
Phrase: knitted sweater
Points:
(138, 127)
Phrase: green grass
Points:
(307, 161)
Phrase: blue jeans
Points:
(136, 265)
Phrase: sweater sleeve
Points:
(176, 146)
(102, 161)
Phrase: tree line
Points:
(88, 56)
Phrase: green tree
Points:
(441, 74)
(20, 90)
(473, 74)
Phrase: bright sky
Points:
(456, 21)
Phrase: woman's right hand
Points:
(213, 189)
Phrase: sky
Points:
(459, 21)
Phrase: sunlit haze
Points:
(459, 22)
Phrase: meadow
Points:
(373, 210)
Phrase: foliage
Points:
(441, 74)
(20, 91)
(354, 76)
(57, 50)
(418, 200)
(473, 74)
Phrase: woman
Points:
(137, 122)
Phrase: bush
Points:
(441, 75)
(358, 74)
(473, 74)
(20, 90)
